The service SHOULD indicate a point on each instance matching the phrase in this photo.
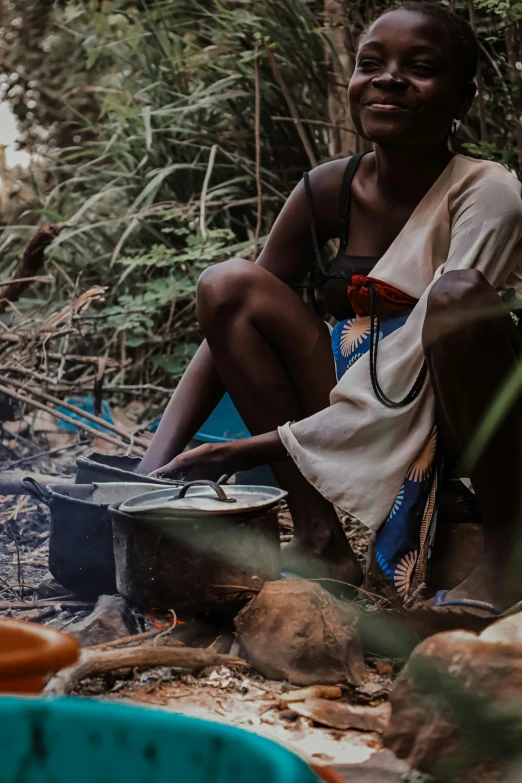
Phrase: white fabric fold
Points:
(357, 451)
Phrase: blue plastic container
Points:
(74, 740)
(85, 404)
(224, 424)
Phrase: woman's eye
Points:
(367, 63)
(424, 69)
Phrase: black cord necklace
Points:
(375, 330)
(375, 316)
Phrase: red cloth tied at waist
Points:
(392, 301)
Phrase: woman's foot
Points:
(485, 585)
(332, 560)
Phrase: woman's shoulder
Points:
(327, 177)
(325, 183)
(471, 170)
(486, 187)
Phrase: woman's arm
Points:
(288, 254)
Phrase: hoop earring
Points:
(454, 126)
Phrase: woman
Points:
(439, 234)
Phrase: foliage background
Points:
(131, 105)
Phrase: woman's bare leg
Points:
(472, 347)
(196, 396)
(274, 357)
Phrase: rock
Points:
(295, 630)
(111, 619)
(50, 588)
(505, 631)
(381, 767)
(422, 728)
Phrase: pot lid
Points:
(203, 498)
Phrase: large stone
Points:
(505, 631)
(423, 728)
(111, 619)
(295, 630)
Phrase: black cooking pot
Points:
(81, 551)
(210, 549)
(99, 468)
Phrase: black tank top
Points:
(344, 266)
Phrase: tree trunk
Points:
(340, 57)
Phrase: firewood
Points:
(93, 662)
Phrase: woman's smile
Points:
(386, 107)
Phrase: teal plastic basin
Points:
(74, 740)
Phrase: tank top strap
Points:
(345, 199)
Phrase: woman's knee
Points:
(222, 289)
(455, 289)
(457, 304)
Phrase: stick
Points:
(79, 424)
(19, 605)
(291, 105)
(93, 662)
(48, 453)
(136, 637)
(73, 408)
(34, 279)
(258, 154)
(313, 692)
(204, 189)
(238, 162)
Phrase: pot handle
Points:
(33, 488)
(205, 483)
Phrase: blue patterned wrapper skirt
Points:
(404, 541)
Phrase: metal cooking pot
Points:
(99, 468)
(211, 549)
(81, 553)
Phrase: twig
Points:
(169, 629)
(19, 605)
(49, 453)
(65, 343)
(62, 416)
(35, 279)
(291, 105)
(94, 662)
(136, 637)
(204, 189)
(240, 163)
(73, 408)
(348, 584)
(259, 188)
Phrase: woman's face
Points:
(405, 88)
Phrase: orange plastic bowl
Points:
(29, 653)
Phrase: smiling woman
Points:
(375, 425)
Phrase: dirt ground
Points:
(239, 697)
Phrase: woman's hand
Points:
(210, 461)
(213, 460)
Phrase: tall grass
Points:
(181, 81)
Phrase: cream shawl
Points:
(357, 452)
